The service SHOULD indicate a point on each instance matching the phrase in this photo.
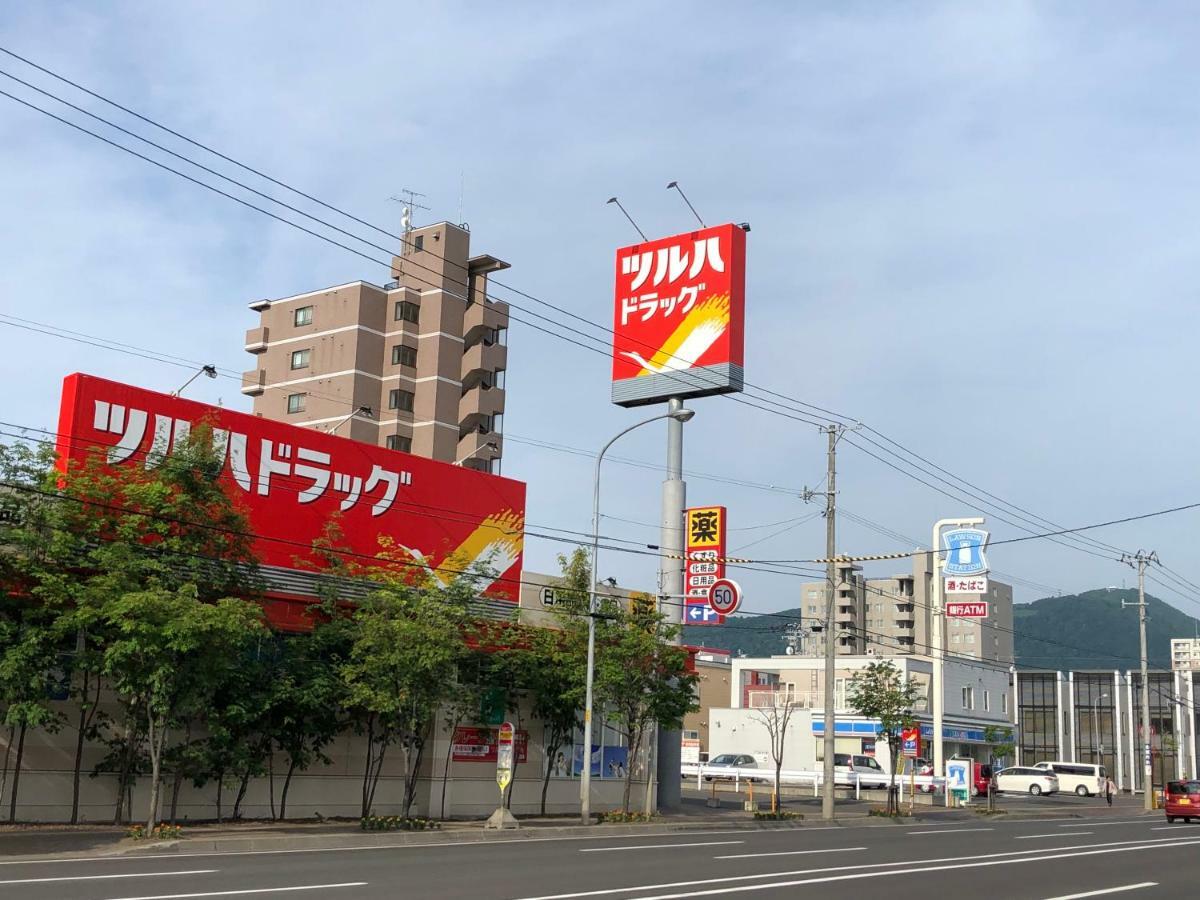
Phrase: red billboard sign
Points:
(961, 609)
(677, 324)
(480, 744)
(293, 482)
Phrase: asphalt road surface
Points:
(1119, 853)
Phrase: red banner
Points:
(479, 745)
(677, 326)
(293, 482)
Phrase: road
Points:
(1119, 853)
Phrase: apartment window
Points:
(987, 701)
(970, 637)
(968, 698)
(418, 243)
(1004, 703)
(399, 399)
(302, 316)
(300, 359)
(812, 609)
(957, 639)
(404, 356)
(407, 311)
(397, 442)
(296, 403)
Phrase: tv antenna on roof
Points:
(409, 199)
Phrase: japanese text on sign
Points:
(705, 544)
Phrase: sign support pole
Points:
(670, 583)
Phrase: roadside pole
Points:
(830, 649)
(1139, 561)
(670, 583)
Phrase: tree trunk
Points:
(366, 785)
(123, 777)
(12, 734)
(777, 800)
(287, 783)
(446, 768)
(220, 787)
(241, 794)
(551, 750)
(271, 777)
(412, 770)
(16, 784)
(83, 724)
(157, 733)
(635, 745)
(178, 780)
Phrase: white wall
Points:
(743, 731)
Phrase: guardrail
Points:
(855, 780)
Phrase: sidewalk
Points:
(247, 837)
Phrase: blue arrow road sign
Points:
(700, 613)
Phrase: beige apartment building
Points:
(416, 365)
(893, 615)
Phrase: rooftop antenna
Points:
(675, 184)
(462, 190)
(409, 199)
(628, 216)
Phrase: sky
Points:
(972, 231)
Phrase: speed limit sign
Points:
(724, 596)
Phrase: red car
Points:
(1181, 800)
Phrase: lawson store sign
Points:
(870, 729)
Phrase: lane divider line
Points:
(100, 877)
(790, 853)
(234, 893)
(656, 846)
(1111, 890)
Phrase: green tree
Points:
(879, 692)
(170, 655)
(407, 642)
(641, 678)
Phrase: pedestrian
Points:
(1109, 789)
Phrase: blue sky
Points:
(973, 230)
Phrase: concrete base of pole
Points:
(670, 759)
(502, 819)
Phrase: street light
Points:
(490, 445)
(210, 371)
(1096, 739)
(585, 782)
(365, 411)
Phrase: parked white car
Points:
(1021, 779)
(870, 773)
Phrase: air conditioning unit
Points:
(871, 651)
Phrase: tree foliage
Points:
(879, 692)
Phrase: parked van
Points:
(1085, 779)
(870, 773)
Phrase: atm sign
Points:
(977, 609)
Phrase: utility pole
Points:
(830, 589)
(1139, 561)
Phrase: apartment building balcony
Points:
(475, 445)
(490, 315)
(480, 401)
(485, 356)
(256, 339)
(254, 382)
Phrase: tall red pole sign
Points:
(678, 317)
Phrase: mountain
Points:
(748, 635)
(1076, 631)
(1097, 631)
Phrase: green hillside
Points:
(1096, 631)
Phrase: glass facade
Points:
(1037, 710)
(1097, 727)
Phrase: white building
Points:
(978, 695)
(1185, 654)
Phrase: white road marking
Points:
(951, 831)
(744, 888)
(135, 857)
(1122, 822)
(789, 853)
(657, 846)
(98, 877)
(1135, 845)
(1168, 828)
(271, 890)
(1111, 890)
(1029, 837)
